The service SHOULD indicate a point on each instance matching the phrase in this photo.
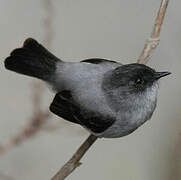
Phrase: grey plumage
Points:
(107, 98)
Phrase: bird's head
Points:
(132, 78)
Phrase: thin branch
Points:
(151, 44)
(37, 120)
(154, 39)
(39, 117)
(74, 162)
(5, 177)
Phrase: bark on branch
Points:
(74, 162)
(151, 44)
(154, 39)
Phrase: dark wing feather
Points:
(98, 61)
(64, 106)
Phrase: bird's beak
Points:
(159, 75)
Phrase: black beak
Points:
(159, 75)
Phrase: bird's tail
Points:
(32, 60)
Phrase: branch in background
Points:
(31, 130)
(39, 117)
(48, 26)
(37, 120)
(151, 44)
(154, 40)
(5, 177)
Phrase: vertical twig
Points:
(154, 39)
(48, 5)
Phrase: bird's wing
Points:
(64, 106)
(99, 61)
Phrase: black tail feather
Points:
(32, 60)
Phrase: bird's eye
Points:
(139, 81)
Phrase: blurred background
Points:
(75, 30)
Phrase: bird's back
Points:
(84, 80)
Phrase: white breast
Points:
(138, 113)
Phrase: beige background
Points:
(81, 29)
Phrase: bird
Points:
(107, 98)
